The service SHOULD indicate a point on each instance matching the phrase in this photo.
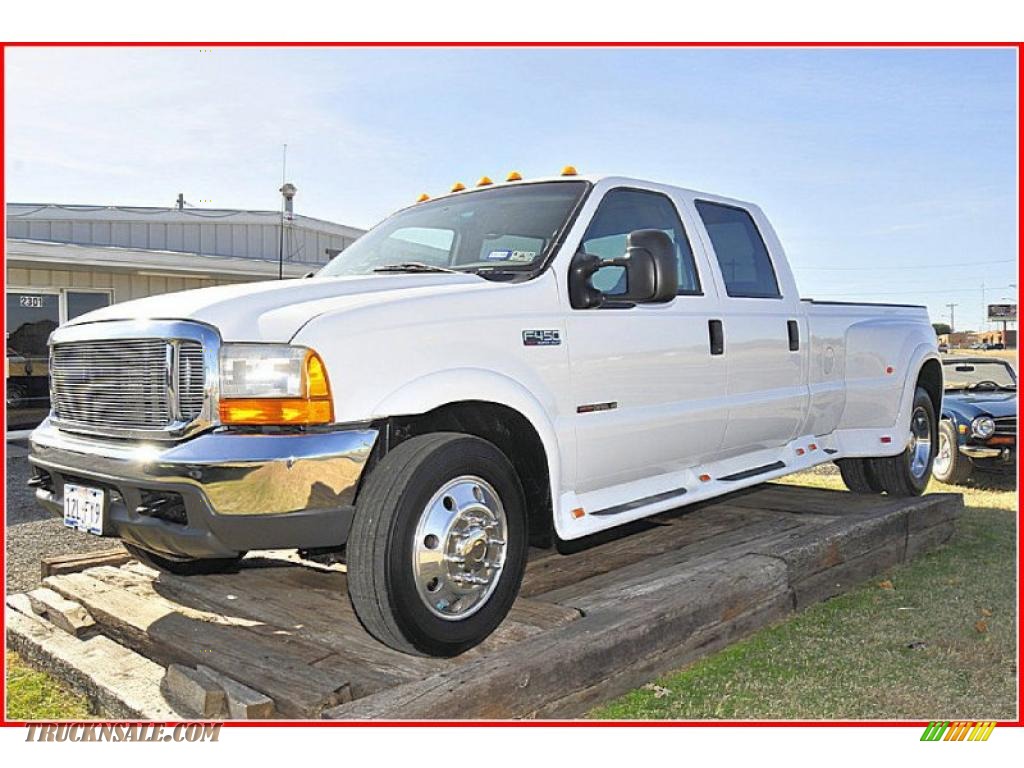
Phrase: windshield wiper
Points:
(413, 266)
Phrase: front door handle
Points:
(716, 336)
(794, 335)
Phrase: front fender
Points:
(476, 384)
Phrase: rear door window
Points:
(742, 255)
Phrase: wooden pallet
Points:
(588, 625)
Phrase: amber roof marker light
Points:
(485, 181)
(458, 186)
(423, 198)
(569, 170)
(514, 176)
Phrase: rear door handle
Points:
(794, 335)
(716, 336)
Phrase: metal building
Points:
(65, 260)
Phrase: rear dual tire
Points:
(907, 473)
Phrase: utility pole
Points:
(280, 242)
(984, 307)
(952, 320)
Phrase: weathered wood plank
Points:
(193, 691)
(55, 565)
(277, 666)
(606, 589)
(579, 655)
(554, 573)
(117, 681)
(824, 548)
(926, 539)
(61, 612)
(933, 509)
(840, 577)
(635, 672)
(243, 702)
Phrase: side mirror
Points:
(651, 272)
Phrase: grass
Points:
(33, 695)
(932, 639)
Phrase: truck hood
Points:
(274, 311)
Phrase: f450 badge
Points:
(542, 338)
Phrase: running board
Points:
(618, 509)
(753, 472)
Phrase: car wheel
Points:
(438, 544)
(15, 396)
(950, 466)
(184, 567)
(858, 475)
(907, 474)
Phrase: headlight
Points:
(273, 384)
(983, 427)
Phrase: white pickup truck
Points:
(529, 361)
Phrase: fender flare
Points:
(922, 353)
(479, 384)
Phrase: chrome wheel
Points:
(944, 455)
(459, 550)
(920, 446)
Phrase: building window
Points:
(32, 315)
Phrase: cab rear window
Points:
(741, 253)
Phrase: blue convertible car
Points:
(979, 418)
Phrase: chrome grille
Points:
(191, 379)
(114, 385)
(1006, 425)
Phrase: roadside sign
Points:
(1006, 313)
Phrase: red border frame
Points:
(4, 722)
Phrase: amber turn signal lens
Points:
(315, 407)
(275, 410)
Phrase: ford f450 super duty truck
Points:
(517, 362)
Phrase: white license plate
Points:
(83, 508)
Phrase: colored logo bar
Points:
(963, 730)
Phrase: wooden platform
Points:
(588, 626)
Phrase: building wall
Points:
(248, 234)
(124, 285)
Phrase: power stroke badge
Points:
(542, 338)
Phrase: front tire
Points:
(907, 474)
(438, 548)
(951, 466)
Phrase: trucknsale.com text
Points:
(123, 732)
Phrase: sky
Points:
(889, 175)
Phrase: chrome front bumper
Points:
(240, 491)
(982, 452)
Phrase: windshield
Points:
(497, 230)
(978, 375)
